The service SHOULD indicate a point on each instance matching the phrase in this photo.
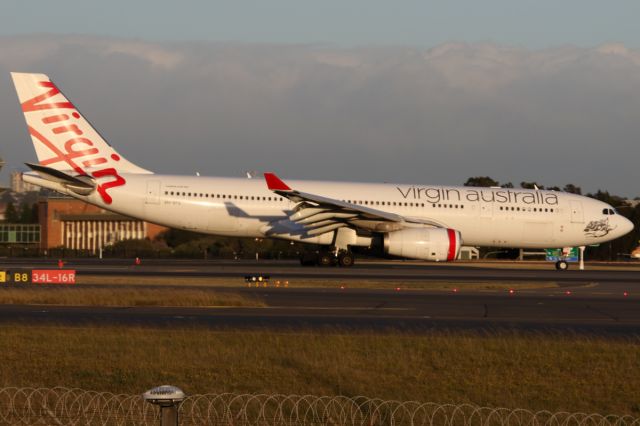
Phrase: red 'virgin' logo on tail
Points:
(77, 152)
(34, 104)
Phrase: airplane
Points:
(424, 222)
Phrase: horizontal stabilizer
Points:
(81, 184)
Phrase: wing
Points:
(319, 214)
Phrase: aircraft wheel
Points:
(345, 259)
(325, 259)
(562, 265)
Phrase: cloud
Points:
(405, 114)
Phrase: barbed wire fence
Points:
(62, 406)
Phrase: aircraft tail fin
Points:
(63, 139)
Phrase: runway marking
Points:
(603, 313)
(337, 308)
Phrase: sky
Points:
(409, 91)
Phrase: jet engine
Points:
(436, 244)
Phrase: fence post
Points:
(168, 398)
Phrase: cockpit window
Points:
(605, 211)
(609, 211)
(612, 211)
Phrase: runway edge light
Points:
(168, 398)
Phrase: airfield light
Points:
(625, 294)
(512, 291)
(568, 292)
(168, 398)
(455, 290)
(397, 288)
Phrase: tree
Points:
(531, 185)
(11, 214)
(35, 213)
(26, 213)
(481, 181)
(614, 200)
(572, 189)
(175, 237)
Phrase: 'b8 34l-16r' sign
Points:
(53, 276)
(39, 276)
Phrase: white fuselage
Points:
(498, 217)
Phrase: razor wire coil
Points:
(64, 406)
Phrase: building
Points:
(74, 224)
(18, 233)
(2, 164)
(20, 186)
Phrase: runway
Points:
(596, 301)
(379, 271)
(365, 310)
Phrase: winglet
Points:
(274, 183)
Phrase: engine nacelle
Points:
(435, 244)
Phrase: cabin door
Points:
(153, 192)
(577, 214)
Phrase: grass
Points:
(78, 296)
(315, 282)
(553, 372)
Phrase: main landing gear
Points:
(343, 258)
